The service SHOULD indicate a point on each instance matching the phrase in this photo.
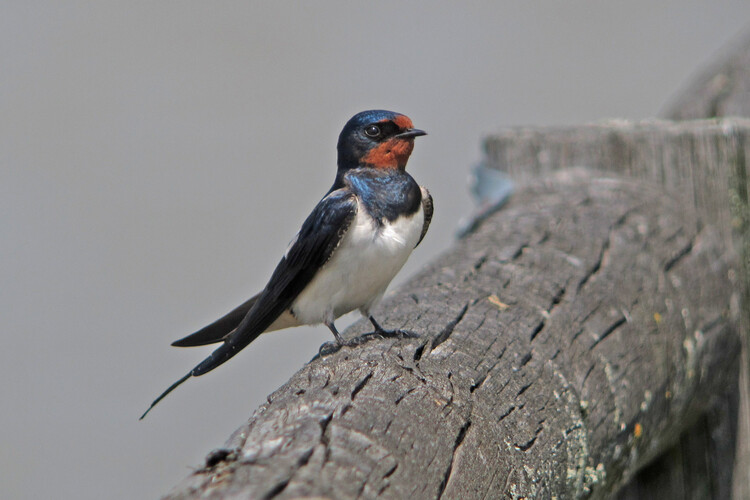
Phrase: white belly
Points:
(362, 266)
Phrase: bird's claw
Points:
(401, 334)
(328, 348)
(334, 346)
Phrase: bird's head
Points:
(378, 139)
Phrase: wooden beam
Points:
(564, 344)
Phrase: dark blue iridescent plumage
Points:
(385, 194)
(373, 149)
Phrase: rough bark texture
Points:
(564, 344)
(703, 163)
(723, 89)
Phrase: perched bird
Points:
(348, 250)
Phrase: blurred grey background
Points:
(157, 157)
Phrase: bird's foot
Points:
(382, 332)
(400, 334)
(379, 333)
(340, 342)
(335, 346)
(328, 348)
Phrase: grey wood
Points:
(563, 345)
(704, 163)
(723, 89)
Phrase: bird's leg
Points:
(379, 330)
(330, 347)
(335, 332)
(339, 339)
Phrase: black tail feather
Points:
(250, 326)
(164, 394)
(219, 329)
(231, 346)
(224, 353)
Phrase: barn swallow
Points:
(348, 250)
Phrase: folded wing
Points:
(321, 233)
(427, 210)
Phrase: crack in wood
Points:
(684, 252)
(557, 298)
(361, 385)
(345, 409)
(528, 444)
(385, 477)
(448, 330)
(609, 330)
(519, 252)
(480, 380)
(324, 436)
(480, 262)
(525, 360)
(585, 377)
(402, 396)
(555, 302)
(506, 414)
(711, 324)
(276, 490)
(459, 441)
(538, 328)
(523, 389)
(390, 471)
(417, 373)
(303, 460)
(419, 351)
(516, 254)
(604, 252)
(220, 455)
(597, 266)
(476, 267)
(576, 335)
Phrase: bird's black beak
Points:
(412, 132)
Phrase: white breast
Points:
(365, 262)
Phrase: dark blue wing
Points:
(315, 242)
(427, 209)
(321, 233)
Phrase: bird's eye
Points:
(372, 131)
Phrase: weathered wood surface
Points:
(723, 89)
(701, 465)
(703, 163)
(565, 343)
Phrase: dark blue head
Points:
(376, 138)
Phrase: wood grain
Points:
(564, 344)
